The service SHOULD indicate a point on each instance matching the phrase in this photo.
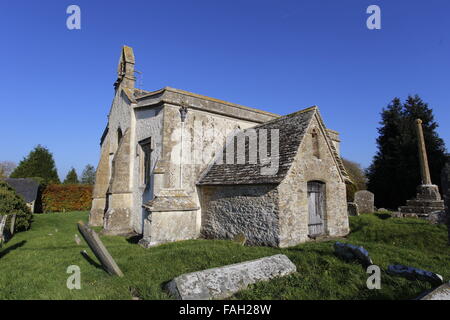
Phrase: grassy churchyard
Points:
(34, 263)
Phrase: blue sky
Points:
(279, 56)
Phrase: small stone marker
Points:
(352, 209)
(12, 224)
(365, 201)
(411, 273)
(99, 249)
(223, 282)
(77, 240)
(440, 293)
(349, 252)
(240, 238)
(2, 228)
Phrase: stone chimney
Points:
(125, 69)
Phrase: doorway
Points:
(316, 208)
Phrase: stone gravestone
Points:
(12, 224)
(365, 199)
(2, 228)
(99, 249)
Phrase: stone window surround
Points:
(144, 151)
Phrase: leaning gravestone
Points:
(365, 201)
(221, 283)
(99, 249)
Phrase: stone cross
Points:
(424, 170)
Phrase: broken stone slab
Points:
(223, 282)
(99, 249)
(411, 273)
(350, 252)
(440, 293)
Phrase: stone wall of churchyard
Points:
(62, 198)
(230, 210)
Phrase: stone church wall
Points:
(293, 192)
(148, 124)
(234, 209)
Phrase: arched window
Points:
(315, 143)
(119, 136)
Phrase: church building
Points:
(175, 165)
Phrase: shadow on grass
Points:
(383, 216)
(13, 247)
(134, 239)
(90, 260)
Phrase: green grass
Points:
(33, 264)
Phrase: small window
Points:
(315, 143)
(144, 154)
(119, 136)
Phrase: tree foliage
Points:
(358, 177)
(72, 177)
(88, 175)
(11, 203)
(38, 164)
(395, 170)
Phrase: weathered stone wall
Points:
(120, 201)
(293, 200)
(119, 117)
(249, 209)
(204, 135)
(169, 226)
(148, 125)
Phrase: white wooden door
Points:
(316, 207)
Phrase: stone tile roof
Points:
(27, 188)
(292, 129)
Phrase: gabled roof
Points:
(292, 129)
(27, 188)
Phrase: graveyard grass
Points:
(33, 264)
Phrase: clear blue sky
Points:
(279, 56)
